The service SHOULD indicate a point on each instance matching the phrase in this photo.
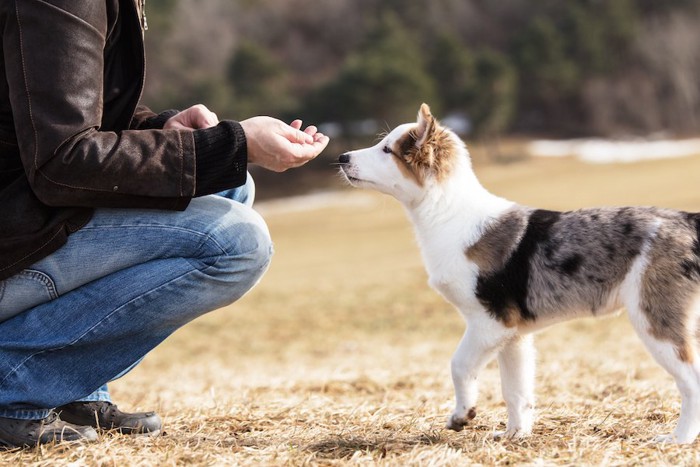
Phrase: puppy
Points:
(511, 269)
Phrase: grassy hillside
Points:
(341, 354)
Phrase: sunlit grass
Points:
(341, 354)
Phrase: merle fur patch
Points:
(537, 263)
(505, 291)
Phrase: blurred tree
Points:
(548, 76)
(160, 15)
(585, 38)
(575, 66)
(621, 23)
(259, 83)
(655, 8)
(670, 48)
(160, 23)
(492, 108)
(451, 66)
(384, 80)
(187, 43)
(599, 35)
(546, 69)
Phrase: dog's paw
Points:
(458, 421)
(511, 433)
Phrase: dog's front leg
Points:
(516, 362)
(477, 347)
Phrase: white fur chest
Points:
(450, 272)
(445, 230)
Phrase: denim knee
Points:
(259, 249)
(245, 248)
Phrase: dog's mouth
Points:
(348, 177)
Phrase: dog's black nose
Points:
(344, 158)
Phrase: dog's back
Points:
(538, 266)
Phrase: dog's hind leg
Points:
(516, 362)
(680, 360)
(687, 376)
(660, 292)
(482, 339)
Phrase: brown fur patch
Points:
(512, 318)
(408, 172)
(438, 153)
(498, 241)
(401, 147)
(686, 353)
(471, 415)
(435, 157)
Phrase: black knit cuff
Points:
(221, 157)
(157, 122)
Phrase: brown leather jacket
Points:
(71, 135)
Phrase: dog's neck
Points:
(458, 204)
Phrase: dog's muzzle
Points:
(344, 158)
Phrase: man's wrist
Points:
(221, 157)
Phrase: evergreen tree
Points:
(452, 67)
(259, 83)
(492, 109)
(384, 80)
(541, 55)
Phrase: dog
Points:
(511, 270)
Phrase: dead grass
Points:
(341, 355)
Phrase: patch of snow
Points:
(601, 151)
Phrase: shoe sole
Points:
(117, 431)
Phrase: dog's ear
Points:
(423, 135)
(426, 125)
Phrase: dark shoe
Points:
(16, 433)
(105, 415)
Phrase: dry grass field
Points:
(341, 355)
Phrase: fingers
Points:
(309, 130)
(295, 135)
(279, 146)
(320, 141)
(305, 152)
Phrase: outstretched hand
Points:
(276, 146)
(272, 144)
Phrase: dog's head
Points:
(411, 159)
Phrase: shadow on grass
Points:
(343, 447)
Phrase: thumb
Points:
(199, 120)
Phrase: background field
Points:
(341, 355)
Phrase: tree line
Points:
(548, 67)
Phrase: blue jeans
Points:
(89, 312)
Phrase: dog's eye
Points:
(387, 149)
